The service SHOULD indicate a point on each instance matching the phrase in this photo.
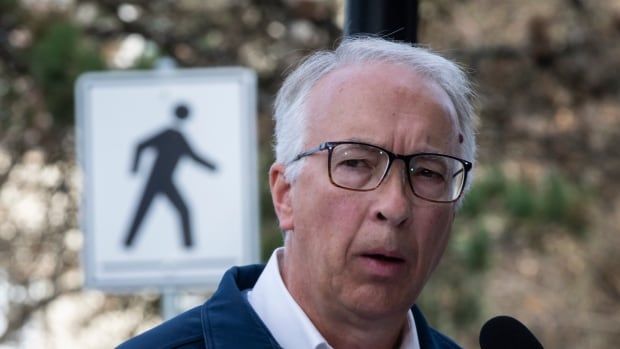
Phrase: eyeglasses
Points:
(363, 167)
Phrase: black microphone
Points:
(506, 332)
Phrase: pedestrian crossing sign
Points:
(168, 160)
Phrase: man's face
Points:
(366, 253)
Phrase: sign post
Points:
(394, 19)
(170, 195)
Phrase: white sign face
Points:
(170, 176)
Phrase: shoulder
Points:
(428, 336)
(442, 341)
(183, 331)
(224, 315)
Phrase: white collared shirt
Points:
(285, 319)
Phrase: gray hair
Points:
(290, 112)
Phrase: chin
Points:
(376, 302)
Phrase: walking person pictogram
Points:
(171, 146)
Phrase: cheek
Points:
(332, 211)
(346, 212)
(330, 219)
(435, 238)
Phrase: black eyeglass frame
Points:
(329, 146)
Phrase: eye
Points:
(426, 174)
(355, 163)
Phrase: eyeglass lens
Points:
(362, 167)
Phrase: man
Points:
(374, 144)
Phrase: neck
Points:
(343, 328)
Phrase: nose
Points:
(394, 204)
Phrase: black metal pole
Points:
(394, 19)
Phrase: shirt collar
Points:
(285, 319)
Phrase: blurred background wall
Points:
(536, 238)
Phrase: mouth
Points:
(384, 258)
(383, 264)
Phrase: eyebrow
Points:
(426, 149)
(362, 140)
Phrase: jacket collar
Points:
(228, 311)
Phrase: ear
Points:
(281, 196)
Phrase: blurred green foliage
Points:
(57, 59)
(526, 209)
(488, 188)
(8, 5)
(477, 251)
(456, 284)
(564, 203)
(149, 57)
(520, 200)
(552, 200)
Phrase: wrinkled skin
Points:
(332, 264)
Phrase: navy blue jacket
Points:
(228, 321)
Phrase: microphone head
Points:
(506, 332)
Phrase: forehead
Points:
(383, 103)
